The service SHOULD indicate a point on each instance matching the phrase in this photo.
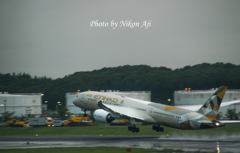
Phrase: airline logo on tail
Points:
(211, 107)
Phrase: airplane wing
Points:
(196, 107)
(123, 111)
(205, 121)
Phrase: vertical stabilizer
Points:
(211, 106)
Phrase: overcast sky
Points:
(54, 38)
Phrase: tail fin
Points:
(212, 105)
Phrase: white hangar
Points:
(21, 104)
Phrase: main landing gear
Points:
(158, 128)
(133, 128)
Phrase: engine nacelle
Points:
(103, 116)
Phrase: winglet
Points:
(211, 106)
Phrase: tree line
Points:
(161, 81)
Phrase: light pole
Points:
(46, 102)
(5, 110)
(58, 103)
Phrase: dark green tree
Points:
(219, 115)
(63, 113)
(161, 81)
(21, 117)
(231, 114)
(8, 116)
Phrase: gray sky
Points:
(54, 38)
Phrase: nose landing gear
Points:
(85, 112)
(157, 128)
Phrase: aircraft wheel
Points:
(137, 130)
(130, 128)
(161, 129)
(133, 130)
(154, 127)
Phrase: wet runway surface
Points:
(213, 144)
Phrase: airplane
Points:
(108, 107)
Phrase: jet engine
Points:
(102, 116)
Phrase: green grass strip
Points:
(229, 129)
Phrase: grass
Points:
(105, 129)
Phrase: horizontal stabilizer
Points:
(204, 121)
(229, 121)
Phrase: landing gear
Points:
(85, 114)
(133, 128)
(157, 128)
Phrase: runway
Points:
(223, 144)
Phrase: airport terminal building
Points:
(198, 97)
(142, 95)
(21, 104)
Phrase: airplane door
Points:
(150, 111)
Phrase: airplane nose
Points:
(75, 101)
